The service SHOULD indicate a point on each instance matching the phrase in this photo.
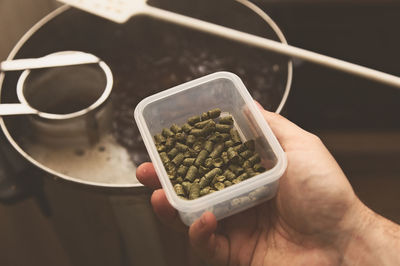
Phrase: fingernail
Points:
(203, 221)
(259, 105)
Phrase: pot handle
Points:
(12, 190)
(15, 187)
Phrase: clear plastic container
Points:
(226, 91)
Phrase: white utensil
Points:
(121, 10)
(54, 60)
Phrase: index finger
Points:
(146, 175)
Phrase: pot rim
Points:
(64, 8)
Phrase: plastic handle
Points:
(62, 59)
(16, 109)
(274, 46)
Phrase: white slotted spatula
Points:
(121, 10)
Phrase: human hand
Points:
(313, 220)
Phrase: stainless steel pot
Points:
(106, 221)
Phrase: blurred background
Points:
(358, 120)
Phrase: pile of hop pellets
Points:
(206, 154)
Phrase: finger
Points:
(146, 175)
(208, 244)
(165, 212)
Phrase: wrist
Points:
(373, 240)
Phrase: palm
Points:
(293, 227)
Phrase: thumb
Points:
(285, 131)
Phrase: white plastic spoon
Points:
(67, 58)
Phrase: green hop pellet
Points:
(233, 155)
(196, 132)
(219, 186)
(222, 128)
(205, 191)
(229, 143)
(239, 148)
(235, 136)
(178, 159)
(255, 159)
(258, 168)
(227, 183)
(250, 172)
(194, 192)
(246, 154)
(191, 173)
(202, 124)
(186, 186)
(179, 180)
(186, 128)
(181, 147)
(225, 136)
(218, 149)
(173, 152)
(201, 158)
(227, 120)
(204, 182)
(214, 113)
(208, 131)
(170, 143)
(170, 167)
(216, 137)
(212, 191)
(247, 164)
(198, 146)
(218, 162)
(188, 161)
(229, 174)
(192, 153)
(250, 144)
(204, 116)
(208, 146)
(218, 178)
(161, 147)
(182, 170)
(190, 140)
(225, 157)
(175, 128)
(203, 170)
(208, 177)
(171, 177)
(197, 180)
(166, 132)
(159, 138)
(193, 120)
(208, 162)
(179, 190)
(236, 169)
(164, 157)
(243, 176)
(236, 181)
(214, 172)
(240, 161)
(180, 137)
